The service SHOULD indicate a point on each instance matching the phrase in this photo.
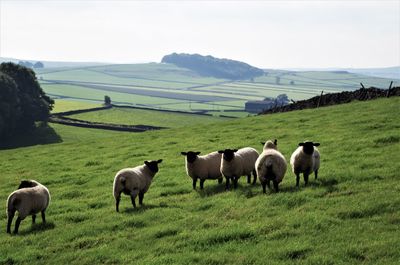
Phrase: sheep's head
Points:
(190, 156)
(228, 154)
(153, 165)
(27, 184)
(308, 147)
(270, 145)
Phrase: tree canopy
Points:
(215, 67)
(22, 100)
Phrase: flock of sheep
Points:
(31, 197)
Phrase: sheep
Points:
(134, 181)
(236, 163)
(305, 159)
(30, 198)
(270, 165)
(203, 167)
(269, 144)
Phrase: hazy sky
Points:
(270, 34)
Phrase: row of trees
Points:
(22, 100)
(31, 65)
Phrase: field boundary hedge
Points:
(330, 99)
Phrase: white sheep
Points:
(30, 198)
(305, 159)
(203, 167)
(270, 166)
(270, 145)
(236, 163)
(134, 181)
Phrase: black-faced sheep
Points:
(203, 167)
(305, 159)
(270, 166)
(236, 163)
(30, 199)
(134, 181)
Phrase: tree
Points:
(277, 80)
(22, 100)
(292, 82)
(107, 100)
(282, 99)
(38, 65)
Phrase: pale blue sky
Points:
(269, 34)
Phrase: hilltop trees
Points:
(215, 67)
(22, 100)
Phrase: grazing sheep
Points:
(236, 163)
(30, 198)
(270, 165)
(203, 167)
(305, 159)
(134, 181)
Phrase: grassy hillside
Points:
(167, 86)
(146, 117)
(350, 215)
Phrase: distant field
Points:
(167, 86)
(66, 105)
(146, 117)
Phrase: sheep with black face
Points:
(236, 163)
(203, 167)
(305, 159)
(134, 181)
(271, 166)
(30, 199)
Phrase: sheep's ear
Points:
(275, 142)
(316, 144)
(146, 162)
(263, 143)
(159, 161)
(234, 150)
(183, 153)
(198, 153)
(221, 151)
(301, 144)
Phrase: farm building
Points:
(257, 106)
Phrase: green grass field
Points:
(350, 215)
(146, 117)
(166, 86)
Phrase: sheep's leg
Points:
(43, 216)
(194, 183)
(220, 180)
(141, 196)
(227, 184)
(305, 175)
(268, 183)
(235, 182)
(117, 200)
(249, 178)
(202, 183)
(17, 225)
(297, 180)
(264, 186)
(255, 177)
(133, 197)
(33, 218)
(276, 185)
(10, 218)
(316, 174)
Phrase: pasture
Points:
(166, 86)
(350, 215)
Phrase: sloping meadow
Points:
(350, 215)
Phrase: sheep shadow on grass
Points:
(38, 228)
(210, 190)
(145, 207)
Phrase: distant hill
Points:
(214, 67)
(52, 64)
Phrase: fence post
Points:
(319, 100)
(388, 91)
